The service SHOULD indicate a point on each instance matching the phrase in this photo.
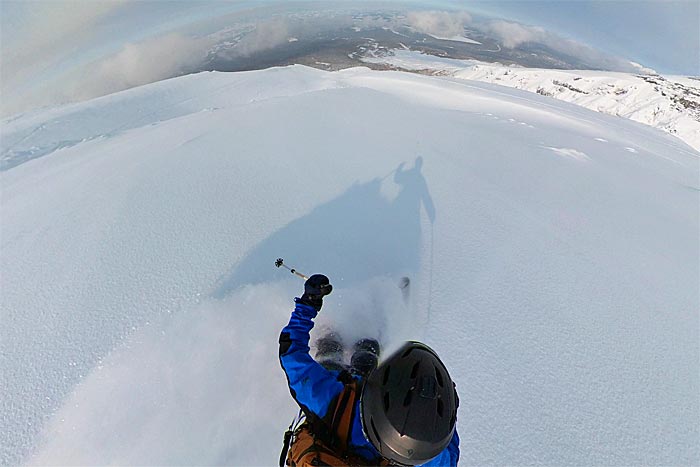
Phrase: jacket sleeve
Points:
(449, 457)
(453, 449)
(311, 385)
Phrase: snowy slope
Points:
(553, 252)
(669, 103)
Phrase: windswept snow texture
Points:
(669, 103)
(552, 250)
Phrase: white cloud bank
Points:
(266, 35)
(513, 35)
(37, 37)
(169, 56)
(48, 31)
(439, 23)
(142, 63)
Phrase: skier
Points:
(402, 412)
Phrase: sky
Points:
(44, 44)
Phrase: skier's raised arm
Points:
(311, 385)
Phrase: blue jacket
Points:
(316, 388)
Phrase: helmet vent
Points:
(438, 375)
(427, 388)
(440, 407)
(414, 371)
(374, 429)
(386, 376)
(407, 399)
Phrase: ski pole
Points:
(280, 262)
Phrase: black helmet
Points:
(409, 405)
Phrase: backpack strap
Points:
(341, 423)
(285, 446)
(288, 436)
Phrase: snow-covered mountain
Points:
(552, 249)
(669, 103)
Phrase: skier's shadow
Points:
(358, 235)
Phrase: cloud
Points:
(372, 22)
(266, 35)
(271, 33)
(38, 37)
(142, 63)
(513, 35)
(47, 33)
(174, 55)
(152, 60)
(439, 23)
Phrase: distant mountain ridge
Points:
(670, 103)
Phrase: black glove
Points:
(315, 288)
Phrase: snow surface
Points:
(456, 39)
(553, 253)
(669, 103)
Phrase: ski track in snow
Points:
(556, 276)
(572, 153)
